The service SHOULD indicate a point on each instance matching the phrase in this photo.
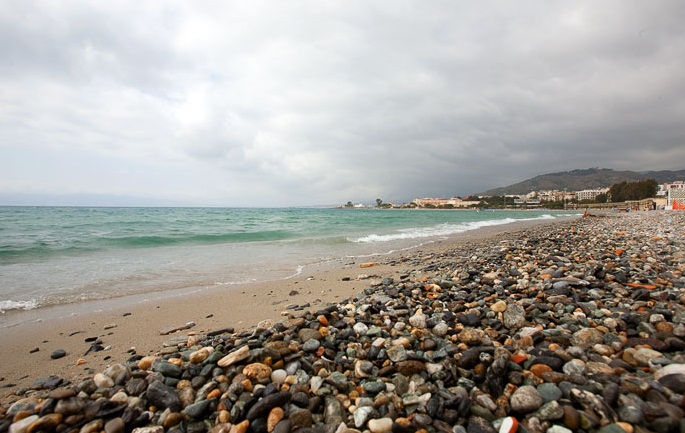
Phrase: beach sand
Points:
(133, 325)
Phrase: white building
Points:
(590, 194)
(664, 188)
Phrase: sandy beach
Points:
(125, 326)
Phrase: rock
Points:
(57, 354)
(264, 406)
(643, 355)
(674, 382)
(22, 425)
(361, 415)
(301, 418)
(526, 399)
(499, 307)
(196, 410)
(257, 371)
(514, 317)
(306, 334)
(381, 425)
(234, 357)
(163, 397)
(115, 425)
(45, 423)
(418, 320)
(587, 337)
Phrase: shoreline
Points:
(569, 325)
(132, 324)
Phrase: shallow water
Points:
(63, 255)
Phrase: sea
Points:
(65, 255)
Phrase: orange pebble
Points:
(518, 359)
(539, 369)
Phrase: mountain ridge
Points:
(580, 179)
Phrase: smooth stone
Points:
(397, 353)
(381, 425)
(477, 424)
(558, 429)
(45, 423)
(305, 334)
(643, 355)
(669, 369)
(418, 320)
(526, 399)
(338, 380)
(265, 405)
(549, 392)
(57, 354)
(92, 427)
(311, 345)
(674, 382)
(441, 329)
(574, 366)
(115, 425)
(551, 410)
(150, 429)
(275, 416)
(587, 337)
(234, 357)
(360, 328)
(499, 306)
(611, 428)
(22, 425)
(278, 376)
(407, 368)
(514, 317)
(361, 415)
(257, 371)
(334, 413)
(168, 369)
(471, 336)
(241, 427)
(103, 381)
(196, 410)
(301, 418)
(374, 387)
(163, 397)
(71, 406)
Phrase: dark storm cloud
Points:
(266, 103)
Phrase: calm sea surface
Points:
(63, 255)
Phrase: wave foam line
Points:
(6, 306)
(442, 230)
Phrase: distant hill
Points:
(576, 180)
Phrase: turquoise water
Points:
(61, 255)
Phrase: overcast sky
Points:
(291, 103)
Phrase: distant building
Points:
(443, 202)
(590, 194)
(664, 188)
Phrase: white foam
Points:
(441, 230)
(17, 305)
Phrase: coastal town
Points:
(669, 195)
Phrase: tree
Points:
(638, 190)
(601, 198)
(379, 202)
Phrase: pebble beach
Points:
(575, 325)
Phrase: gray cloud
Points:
(298, 103)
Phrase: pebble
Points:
(381, 425)
(526, 399)
(550, 328)
(57, 354)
